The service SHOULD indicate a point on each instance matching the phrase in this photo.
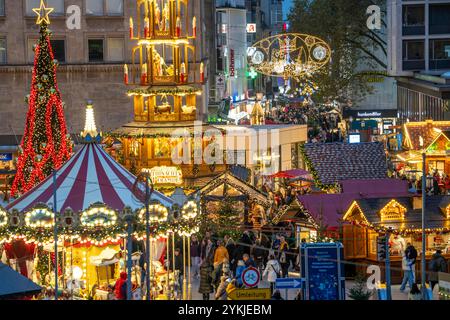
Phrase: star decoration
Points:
(43, 13)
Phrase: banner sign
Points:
(231, 69)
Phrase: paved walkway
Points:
(396, 294)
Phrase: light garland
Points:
(98, 216)
(189, 210)
(39, 218)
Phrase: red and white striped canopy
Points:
(90, 176)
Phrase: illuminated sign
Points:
(165, 175)
(251, 27)
(6, 156)
(231, 69)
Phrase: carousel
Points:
(89, 204)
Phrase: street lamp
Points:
(424, 181)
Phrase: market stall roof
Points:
(13, 283)
(297, 213)
(230, 180)
(436, 212)
(90, 176)
(292, 174)
(335, 162)
(428, 130)
(331, 207)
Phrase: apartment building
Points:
(419, 57)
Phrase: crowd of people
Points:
(409, 259)
(322, 121)
(436, 183)
(219, 263)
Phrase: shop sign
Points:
(231, 69)
(165, 175)
(6, 157)
(370, 114)
(250, 294)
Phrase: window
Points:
(413, 15)
(59, 50)
(57, 5)
(2, 51)
(2, 7)
(95, 50)
(413, 50)
(116, 49)
(114, 7)
(440, 49)
(102, 7)
(94, 7)
(58, 47)
(439, 17)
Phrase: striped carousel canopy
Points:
(91, 176)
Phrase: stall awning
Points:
(13, 283)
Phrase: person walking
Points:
(205, 287)
(195, 256)
(272, 272)
(436, 265)
(408, 275)
(284, 261)
(230, 245)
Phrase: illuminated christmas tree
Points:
(45, 144)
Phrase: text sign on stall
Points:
(323, 271)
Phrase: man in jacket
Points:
(408, 267)
(436, 265)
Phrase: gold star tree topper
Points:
(43, 13)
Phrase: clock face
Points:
(258, 57)
(250, 277)
(319, 53)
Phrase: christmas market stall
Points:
(431, 137)
(227, 194)
(366, 220)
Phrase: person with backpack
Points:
(436, 265)
(272, 272)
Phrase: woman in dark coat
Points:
(205, 287)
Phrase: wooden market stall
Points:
(253, 205)
(368, 219)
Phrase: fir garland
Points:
(329, 188)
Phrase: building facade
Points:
(419, 56)
(91, 58)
